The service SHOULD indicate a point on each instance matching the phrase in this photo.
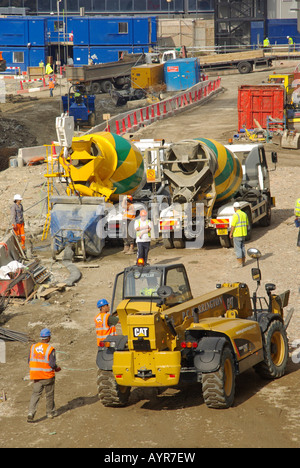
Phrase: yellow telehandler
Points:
(169, 337)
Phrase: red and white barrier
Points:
(133, 120)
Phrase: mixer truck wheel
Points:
(225, 242)
(109, 392)
(218, 388)
(276, 352)
(168, 242)
(178, 243)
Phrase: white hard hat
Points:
(17, 197)
(236, 205)
(287, 37)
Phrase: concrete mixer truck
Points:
(97, 170)
(204, 173)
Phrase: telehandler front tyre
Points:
(218, 387)
(276, 352)
(109, 392)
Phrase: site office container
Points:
(181, 74)
(22, 32)
(21, 58)
(13, 32)
(112, 30)
(258, 103)
(102, 54)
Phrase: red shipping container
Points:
(259, 102)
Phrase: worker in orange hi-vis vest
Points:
(42, 367)
(51, 85)
(17, 219)
(127, 224)
(105, 322)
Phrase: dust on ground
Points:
(265, 414)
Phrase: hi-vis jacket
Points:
(240, 223)
(39, 362)
(102, 327)
(297, 208)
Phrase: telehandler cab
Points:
(169, 337)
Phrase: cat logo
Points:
(141, 331)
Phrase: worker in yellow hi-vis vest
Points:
(297, 220)
(239, 230)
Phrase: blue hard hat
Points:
(102, 302)
(45, 333)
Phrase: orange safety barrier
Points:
(133, 120)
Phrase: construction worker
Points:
(105, 322)
(266, 44)
(49, 69)
(128, 217)
(297, 220)
(143, 228)
(17, 219)
(51, 85)
(42, 366)
(239, 230)
(291, 43)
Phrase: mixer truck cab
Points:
(203, 172)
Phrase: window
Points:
(177, 280)
(142, 284)
(99, 5)
(58, 26)
(123, 28)
(18, 57)
(140, 5)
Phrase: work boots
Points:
(240, 263)
(130, 251)
(126, 249)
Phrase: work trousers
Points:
(128, 231)
(239, 247)
(298, 240)
(20, 233)
(38, 387)
(143, 249)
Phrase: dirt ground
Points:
(265, 414)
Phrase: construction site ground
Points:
(265, 413)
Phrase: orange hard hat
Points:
(143, 213)
(129, 197)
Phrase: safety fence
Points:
(133, 120)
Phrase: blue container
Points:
(80, 29)
(13, 32)
(181, 74)
(37, 32)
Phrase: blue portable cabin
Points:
(181, 74)
(19, 35)
(18, 59)
(102, 54)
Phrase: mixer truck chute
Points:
(203, 171)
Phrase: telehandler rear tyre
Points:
(109, 392)
(276, 352)
(218, 387)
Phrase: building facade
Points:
(116, 7)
